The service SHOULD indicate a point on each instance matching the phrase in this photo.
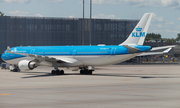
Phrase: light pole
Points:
(90, 21)
(83, 26)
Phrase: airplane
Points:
(84, 58)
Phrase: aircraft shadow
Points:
(34, 75)
(130, 75)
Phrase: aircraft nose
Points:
(3, 56)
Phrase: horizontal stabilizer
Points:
(163, 47)
(155, 53)
(131, 50)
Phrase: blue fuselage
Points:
(70, 51)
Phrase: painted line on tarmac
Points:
(4, 94)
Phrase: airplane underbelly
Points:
(104, 60)
(84, 60)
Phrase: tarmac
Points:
(115, 86)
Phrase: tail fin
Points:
(139, 33)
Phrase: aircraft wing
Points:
(155, 53)
(41, 58)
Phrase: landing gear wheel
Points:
(81, 72)
(90, 72)
(53, 72)
(62, 72)
(57, 72)
(86, 72)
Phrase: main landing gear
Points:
(86, 72)
(57, 72)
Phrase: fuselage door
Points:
(113, 51)
(74, 53)
(32, 51)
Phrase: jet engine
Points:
(27, 65)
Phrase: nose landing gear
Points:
(14, 68)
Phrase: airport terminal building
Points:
(46, 31)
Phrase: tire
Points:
(90, 72)
(58, 72)
(81, 72)
(62, 72)
(53, 72)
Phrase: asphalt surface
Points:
(116, 86)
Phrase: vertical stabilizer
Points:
(138, 35)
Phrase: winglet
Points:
(167, 50)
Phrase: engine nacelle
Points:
(26, 65)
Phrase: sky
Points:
(166, 19)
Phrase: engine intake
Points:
(26, 65)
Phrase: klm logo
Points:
(14, 50)
(138, 33)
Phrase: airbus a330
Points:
(84, 58)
